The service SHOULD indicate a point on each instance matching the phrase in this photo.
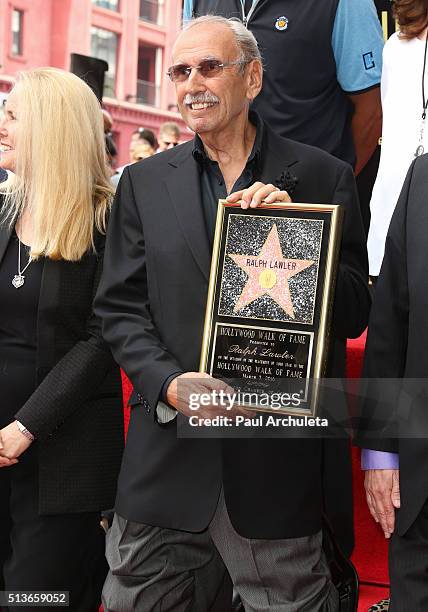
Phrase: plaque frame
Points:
(323, 298)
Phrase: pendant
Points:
(18, 280)
(419, 150)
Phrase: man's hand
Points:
(254, 195)
(191, 394)
(13, 444)
(383, 497)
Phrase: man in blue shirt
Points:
(322, 69)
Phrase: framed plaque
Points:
(269, 305)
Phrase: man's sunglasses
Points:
(207, 68)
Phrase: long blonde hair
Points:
(61, 171)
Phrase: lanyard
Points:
(420, 149)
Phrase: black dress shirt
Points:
(213, 186)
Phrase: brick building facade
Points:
(134, 36)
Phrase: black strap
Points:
(424, 100)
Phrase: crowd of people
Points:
(144, 144)
(104, 269)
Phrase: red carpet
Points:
(370, 554)
(126, 391)
(371, 549)
(370, 595)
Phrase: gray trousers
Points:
(160, 570)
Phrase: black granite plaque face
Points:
(263, 360)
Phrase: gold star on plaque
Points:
(268, 274)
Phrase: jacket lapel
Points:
(184, 188)
(277, 156)
(49, 301)
(183, 184)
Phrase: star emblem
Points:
(268, 274)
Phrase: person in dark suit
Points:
(394, 415)
(186, 508)
(325, 94)
(61, 423)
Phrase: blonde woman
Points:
(60, 411)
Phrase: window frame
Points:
(15, 10)
(111, 93)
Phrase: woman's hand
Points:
(4, 461)
(12, 444)
(254, 195)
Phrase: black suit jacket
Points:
(76, 411)
(152, 300)
(397, 347)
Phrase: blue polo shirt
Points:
(315, 53)
(357, 43)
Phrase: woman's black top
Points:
(18, 327)
(58, 377)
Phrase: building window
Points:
(17, 21)
(112, 5)
(149, 74)
(104, 46)
(152, 10)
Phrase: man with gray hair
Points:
(192, 512)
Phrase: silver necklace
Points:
(420, 148)
(19, 279)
